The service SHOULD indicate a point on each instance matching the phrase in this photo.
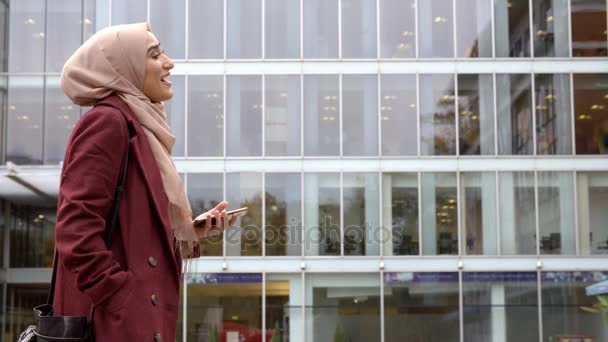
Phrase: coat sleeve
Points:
(92, 164)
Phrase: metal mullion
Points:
(187, 25)
(572, 114)
(536, 209)
(148, 11)
(263, 214)
(570, 28)
(457, 114)
(418, 120)
(264, 29)
(186, 113)
(303, 304)
(340, 30)
(492, 20)
(225, 30)
(458, 208)
(110, 12)
(533, 91)
(539, 305)
(419, 174)
(378, 29)
(44, 80)
(263, 304)
(379, 111)
(417, 30)
(301, 29)
(341, 213)
(224, 112)
(263, 115)
(185, 310)
(577, 249)
(224, 196)
(454, 29)
(381, 274)
(495, 114)
(303, 227)
(531, 23)
(340, 116)
(461, 304)
(301, 113)
(380, 213)
(498, 231)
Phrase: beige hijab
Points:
(113, 61)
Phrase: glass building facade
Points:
(415, 170)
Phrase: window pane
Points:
(478, 213)
(421, 306)
(282, 28)
(476, 114)
(517, 213)
(205, 115)
(244, 115)
(550, 28)
(345, 307)
(436, 25)
(556, 212)
(223, 305)
(205, 29)
(20, 299)
(553, 120)
(322, 214)
(32, 235)
(90, 23)
(283, 307)
(400, 213)
(399, 119)
(320, 29)
(361, 216)
(439, 213)
(205, 191)
(128, 12)
(500, 306)
(514, 101)
(397, 29)
(588, 28)
(63, 36)
(60, 117)
(4, 22)
(359, 29)
(245, 237)
(321, 115)
(591, 113)
(474, 28)
(592, 214)
(283, 214)
(26, 36)
(563, 297)
(24, 129)
(360, 115)
(176, 114)
(282, 116)
(244, 28)
(512, 28)
(437, 121)
(167, 23)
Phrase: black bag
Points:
(49, 328)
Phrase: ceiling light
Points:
(550, 18)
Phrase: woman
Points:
(134, 286)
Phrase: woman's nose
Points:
(168, 64)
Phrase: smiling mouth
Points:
(165, 81)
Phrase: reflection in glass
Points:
(176, 114)
(224, 305)
(360, 115)
(19, 308)
(517, 213)
(476, 114)
(397, 29)
(26, 36)
(244, 115)
(244, 28)
(421, 307)
(24, 120)
(588, 28)
(400, 214)
(550, 19)
(127, 12)
(205, 191)
(205, 29)
(321, 115)
(361, 216)
(500, 306)
(439, 213)
(592, 200)
(322, 214)
(563, 297)
(283, 214)
(556, 212)
(60, 117)
(512, 28)
(514, 116)
(553, 120)
(437, 121)
(346, 305)
(474, 28)
(245, 237)
(399, 118)
(320, 28)
(90, 21)
(167, 23)
(64, 25)
(591, 113)
(436, 27)
(282, 26)
(478, 213)
(283, 307)
(282, 116)
(359, 28)
(32, 235)
(205, 115)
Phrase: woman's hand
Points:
(216, 220)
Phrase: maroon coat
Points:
(135, 286)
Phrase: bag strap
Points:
(110, 223)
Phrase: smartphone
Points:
(200, 221)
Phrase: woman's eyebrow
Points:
(157, 46)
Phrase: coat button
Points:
(154, 299)
(152, 261)
(157, 338)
